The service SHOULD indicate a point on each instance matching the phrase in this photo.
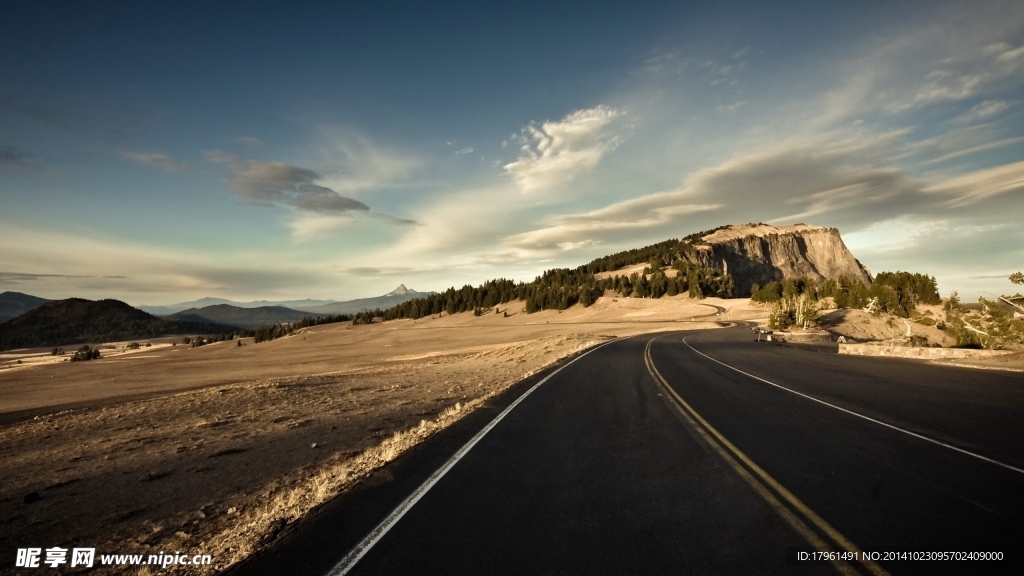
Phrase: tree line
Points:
(562, 288)
(896, 293)
(273, 331)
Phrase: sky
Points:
(162, 152)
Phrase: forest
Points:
(560, 288)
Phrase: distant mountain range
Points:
(169, 309)
(241, 317)
(29, 321)
(245, 315)
(312, 307)
(76, 321)
(393, 298)
(14, 304)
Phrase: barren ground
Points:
(232, 443)
(862, 326)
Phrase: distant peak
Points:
(400, 291)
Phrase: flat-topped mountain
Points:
(75, 321)
(760, 253)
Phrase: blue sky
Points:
(162, 152)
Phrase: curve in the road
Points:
(859, 415)
(767, 487)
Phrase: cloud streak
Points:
(553, 153)
(278, 183)
(847, 184)
(157, 160)
(945, 59)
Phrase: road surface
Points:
(699, 452)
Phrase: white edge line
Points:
(868, 418)
(364, 546)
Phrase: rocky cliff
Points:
(761, 253)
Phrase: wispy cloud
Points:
(352, 163)
(20, 277)
(307, 226)
(945, 58)
(838, 183)
(553, 153)
(11, 156)
(101, 267)
(981, 184)
(664, 62)
(612, 223)
(983, 111)
(157, 160)
(976, 149)
(270, 183)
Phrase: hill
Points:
(14, 304)
(759, 254)
(241, 317)
(168, 309)
(727, 262)
(395, 297)
(74, 321)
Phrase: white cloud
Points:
(157, 159)
(669, 63)
(308, 226)
(617, 220)
(976, 149)
(553, 153)
(353, 163)
(945, 58)
(983, 111)
(981, 184)
(845, 183)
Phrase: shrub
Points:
(85, 353)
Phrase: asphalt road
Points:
(717, 455)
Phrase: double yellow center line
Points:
(813, 528)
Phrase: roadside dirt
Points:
(862, 326)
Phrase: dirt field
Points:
(233, 443)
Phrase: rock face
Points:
(761, 254)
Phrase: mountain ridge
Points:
(168, 309)
(76, 321)
(397, 296)
(14, 304)
(242, 317)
